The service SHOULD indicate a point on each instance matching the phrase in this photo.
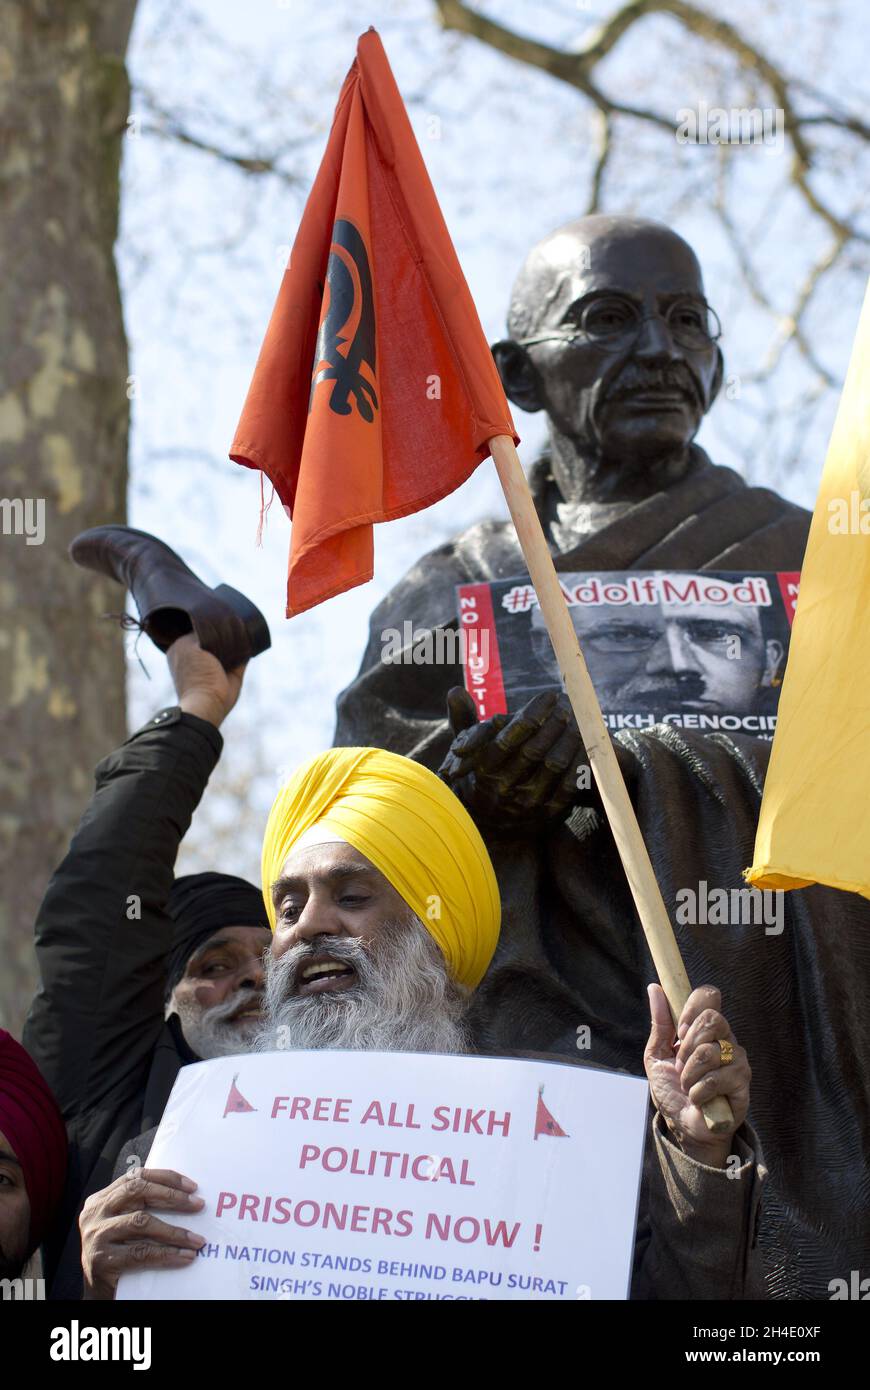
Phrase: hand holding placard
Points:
(402, 1176)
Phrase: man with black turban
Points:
(32, 1157)
(140, 975)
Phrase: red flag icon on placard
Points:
(544, 1122)
(236, 1103)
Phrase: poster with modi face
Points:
(703, 650)
(339, 1176)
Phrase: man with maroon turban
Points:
(32, 1157)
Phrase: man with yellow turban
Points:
(385, 915)
(372, 858)
(385, 911)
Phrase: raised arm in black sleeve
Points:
(102, 939)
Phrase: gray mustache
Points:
(219, 1013)
(346, 949)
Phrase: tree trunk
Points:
(64, 412)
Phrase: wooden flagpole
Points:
(599, 749)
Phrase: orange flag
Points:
(375, 391)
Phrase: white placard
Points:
(383, 1176)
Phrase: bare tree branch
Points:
(168, 127)
(567, 67)
(605, 147)
(575, 68)
(789, 325)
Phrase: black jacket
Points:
(96, 1026)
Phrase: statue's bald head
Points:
(592, 251)
(611, 335)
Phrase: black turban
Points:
(199, 905)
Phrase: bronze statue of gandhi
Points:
(611, 335)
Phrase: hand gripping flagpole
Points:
(599, 749)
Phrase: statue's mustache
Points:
(634, 380)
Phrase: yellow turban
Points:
(413, 829)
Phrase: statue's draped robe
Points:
(572, 955)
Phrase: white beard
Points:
(209, 1033)
(403, 999)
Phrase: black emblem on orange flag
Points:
(347, 334)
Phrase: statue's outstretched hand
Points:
(514, 772)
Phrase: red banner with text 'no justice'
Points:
(375, 391)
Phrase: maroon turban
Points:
(32, 1125)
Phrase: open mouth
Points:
(251, 1013)
(324, 976)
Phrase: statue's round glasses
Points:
(613, 324)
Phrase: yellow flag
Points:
(814, 825)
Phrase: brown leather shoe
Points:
(170, 598)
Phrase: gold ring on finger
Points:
(726, 1052)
